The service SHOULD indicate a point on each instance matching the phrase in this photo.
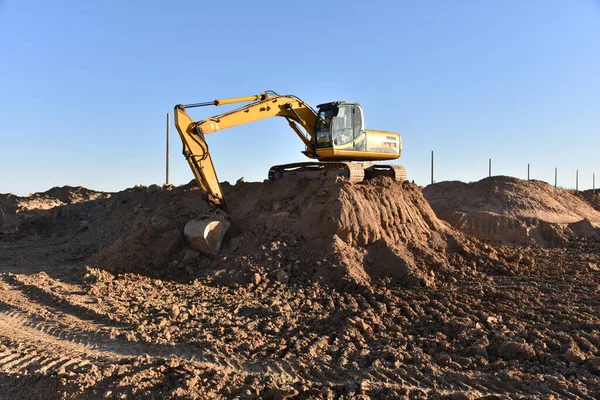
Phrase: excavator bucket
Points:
(206, 234)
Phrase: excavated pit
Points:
(508, 210)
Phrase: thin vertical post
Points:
(168, 172)
(432, 167)
(490, 168)
(594, 183)
(576, 181)
(555, 177)
(527, 171)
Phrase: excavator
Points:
(333, 134)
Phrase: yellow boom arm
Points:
(262, 106)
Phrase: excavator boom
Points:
(264, 105)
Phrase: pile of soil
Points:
(335, 231)
(508, 210)
(37, 210)
(289, 230)
(592, 197)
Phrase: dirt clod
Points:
(574, 355)
(460, 396)
(518, 351)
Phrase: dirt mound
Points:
(141, 229)
(513, 211)
(38, 209)
(71, 194)
(592, 197)
(286, 231)
(341, 232)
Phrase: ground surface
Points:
(100, 297)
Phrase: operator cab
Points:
(340, 125)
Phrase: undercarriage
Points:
(352, 171)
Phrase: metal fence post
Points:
(168, 172)
(432, 167)
(490, 169)
(555, 177)
(527, 171)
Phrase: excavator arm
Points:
(265, 105)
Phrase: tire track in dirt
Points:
(43, 334)
(28, 350)
(16, 327)
(27, 320)
(35, 323)
(39, 306)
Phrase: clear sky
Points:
(85, 85)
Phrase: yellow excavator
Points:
(334, 134)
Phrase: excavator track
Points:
(352, 171)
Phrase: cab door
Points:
(342, 128)
(358, 129)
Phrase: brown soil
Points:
(508, 210)
(592, 197)
(37, 209)
(323, 290)
(344, 234)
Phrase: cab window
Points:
(324, 119)
(323, 129)
(342, 131)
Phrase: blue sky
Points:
(85, 86)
